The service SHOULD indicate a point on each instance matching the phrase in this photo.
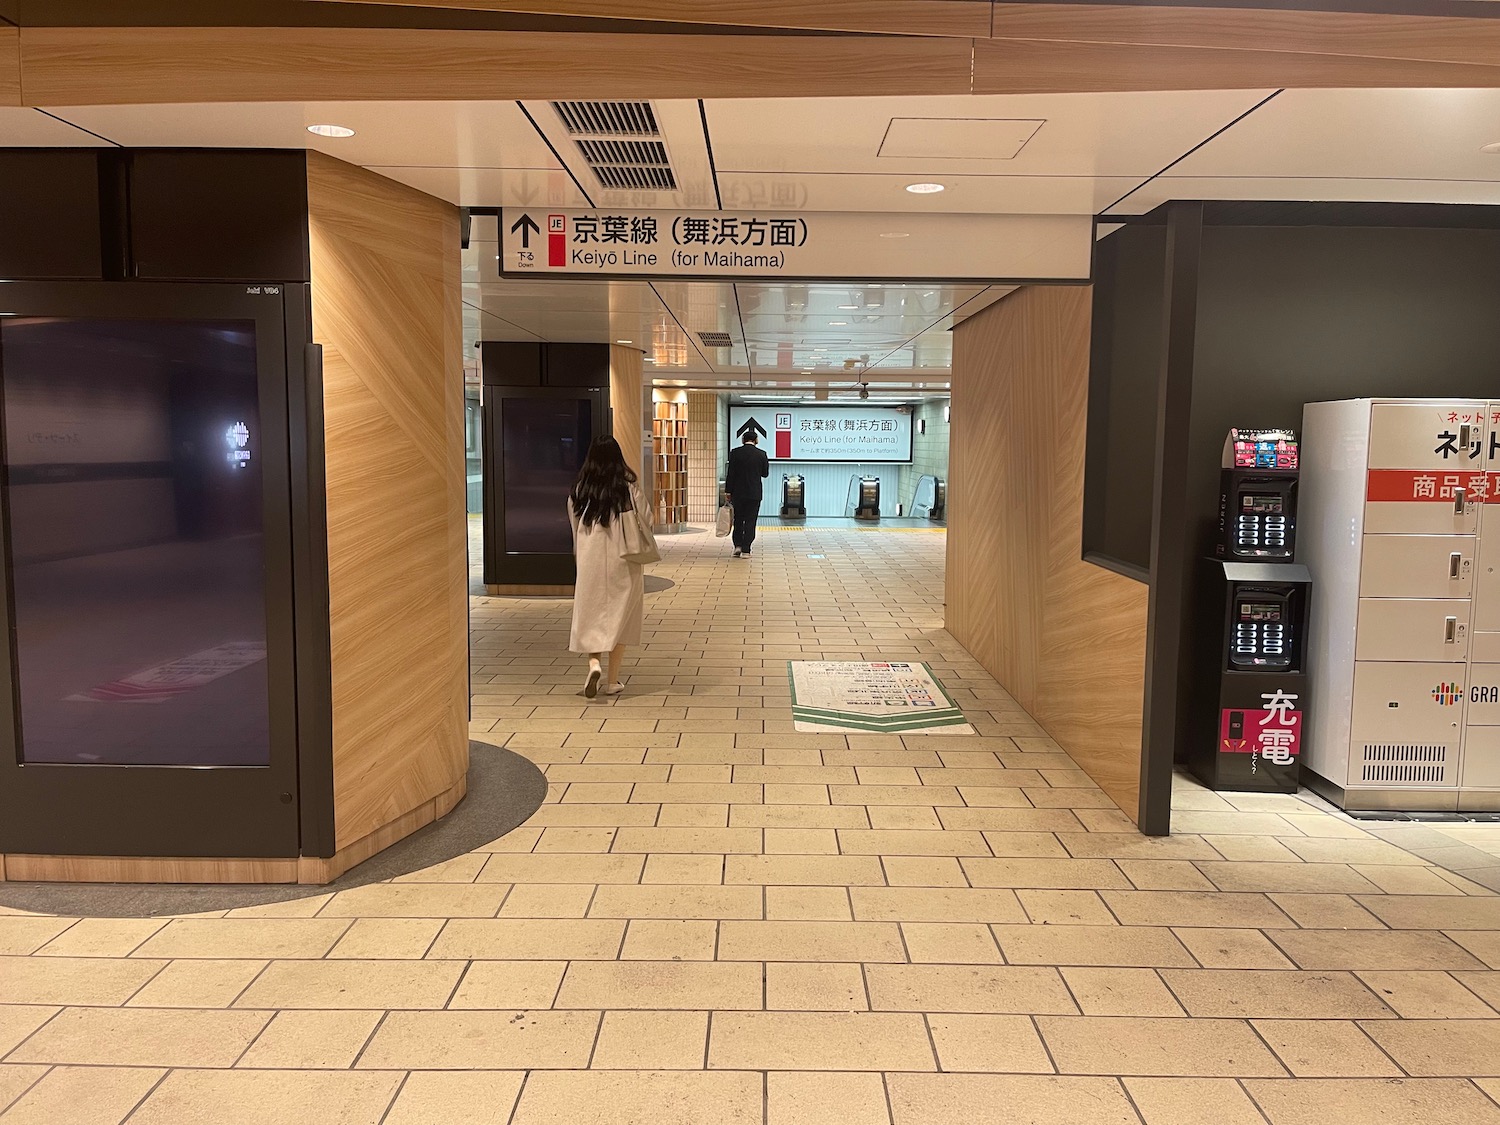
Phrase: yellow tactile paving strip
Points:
(716, 921)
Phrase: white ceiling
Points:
(1028, 154)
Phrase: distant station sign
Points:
(813, 245)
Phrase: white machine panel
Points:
(1442, 515)
(1484, 695)
(1481, 758)
(1417, 566)
(1484, 647)
(1408, 719)
(1487, 576)
(1433, 435)
(1412, 629)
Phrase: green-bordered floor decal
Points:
(878, 698)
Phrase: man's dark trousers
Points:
(745, 514)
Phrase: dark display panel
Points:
(544, 443)
(135, 498)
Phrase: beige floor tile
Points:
(720, 841)
(659, 985)
(795, 775)
(603, 1097)
(1020, 819)
(1045, 874)
(1486, 985)
(798, 816)
(1423, 912)
(824, 1098)
(142, 1037)
(804, 870)
(548, 900)
(311, 1040)
(917, 842)
(562, 868)
(988, 1044)
(1000, 989)
(1068, 798)
(935, 904)
(245, 938)
(702, 869)
(83, 1095)
(801, 841)
(1007, 1099)
(353, 984)
(1020, 845)
(1181, 1101)
(1163, 875)
(1373, 949)
(18, 1021)
(268, 1097)
(1365, 850)
(1406, 880)
(1195, 908)
(1441, 1048)
(461, 869)
(21, 934)
(950, 943)
(1127, 1045)
(484, 1097)
(525, 939)
(815, 987)
(481, 1039)
(1484, 945)
(652, 1041)
(1335, 878)
(1232, 949)
(1232, 823)
(887, 775)
(904, 817)
(1132, 845)
(923, 871)
(1432, 995)
(197, 983)
(810, 941)
(1120, 992)
(1324, 1048)
(662, 939)
(931, 795)
(101, 937)
(1065, 908)
(1269, 994)
(795, 793)
(676, 793)
(667, 901)
(1327, 912)
(1138, 946)
(1369, 1101)
(807, 904)
(578, 840)
(16, 1080)
(520, 985)
(1250, 849)
(693, 816)
(382, 938)
(819, 1041)
(69, 980)
(597, 815)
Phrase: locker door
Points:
(1434, 435)
(1417, 566)
(1412, 629)
(1481, 758)
(1426, 472)
(1407, 719)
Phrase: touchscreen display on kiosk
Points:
(1262, 632)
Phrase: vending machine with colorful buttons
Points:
(1405, 644)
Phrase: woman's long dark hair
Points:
(602, 490)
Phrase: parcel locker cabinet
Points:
(1417, 566)
(1412, 629)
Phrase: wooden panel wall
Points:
(1064, 637)
(10, 65)
(627, 402)
(386, 299)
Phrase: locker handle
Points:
(1455, 560)
(1458, 501)
(1465, 435)
(1450, 630)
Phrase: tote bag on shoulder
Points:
(640, 543)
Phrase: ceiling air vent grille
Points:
(620, 142)
(1407, 763)
(715, 339)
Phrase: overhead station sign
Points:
(812, 246)
(863, 434)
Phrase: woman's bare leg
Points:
(616, 657)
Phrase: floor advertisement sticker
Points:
(882, 698)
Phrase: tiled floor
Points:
(716, 921)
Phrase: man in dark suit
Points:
(748, 466)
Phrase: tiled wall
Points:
(929, 451)
(705, 455)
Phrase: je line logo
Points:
(1447, 694)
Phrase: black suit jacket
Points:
(748, 466)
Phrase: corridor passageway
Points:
(716, 921)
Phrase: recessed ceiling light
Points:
(924, 189)
(331, 130)
(849, 307)
(895, 234)
(838, 324)
(1492, 149)
(624, 341)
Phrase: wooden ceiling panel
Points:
(66, 66)
(958, 18)
(1007, 66)
(1436, 39)
(10, 65)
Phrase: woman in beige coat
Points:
(609, 595)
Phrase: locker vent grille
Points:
(638, 162)
(1405, 762)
